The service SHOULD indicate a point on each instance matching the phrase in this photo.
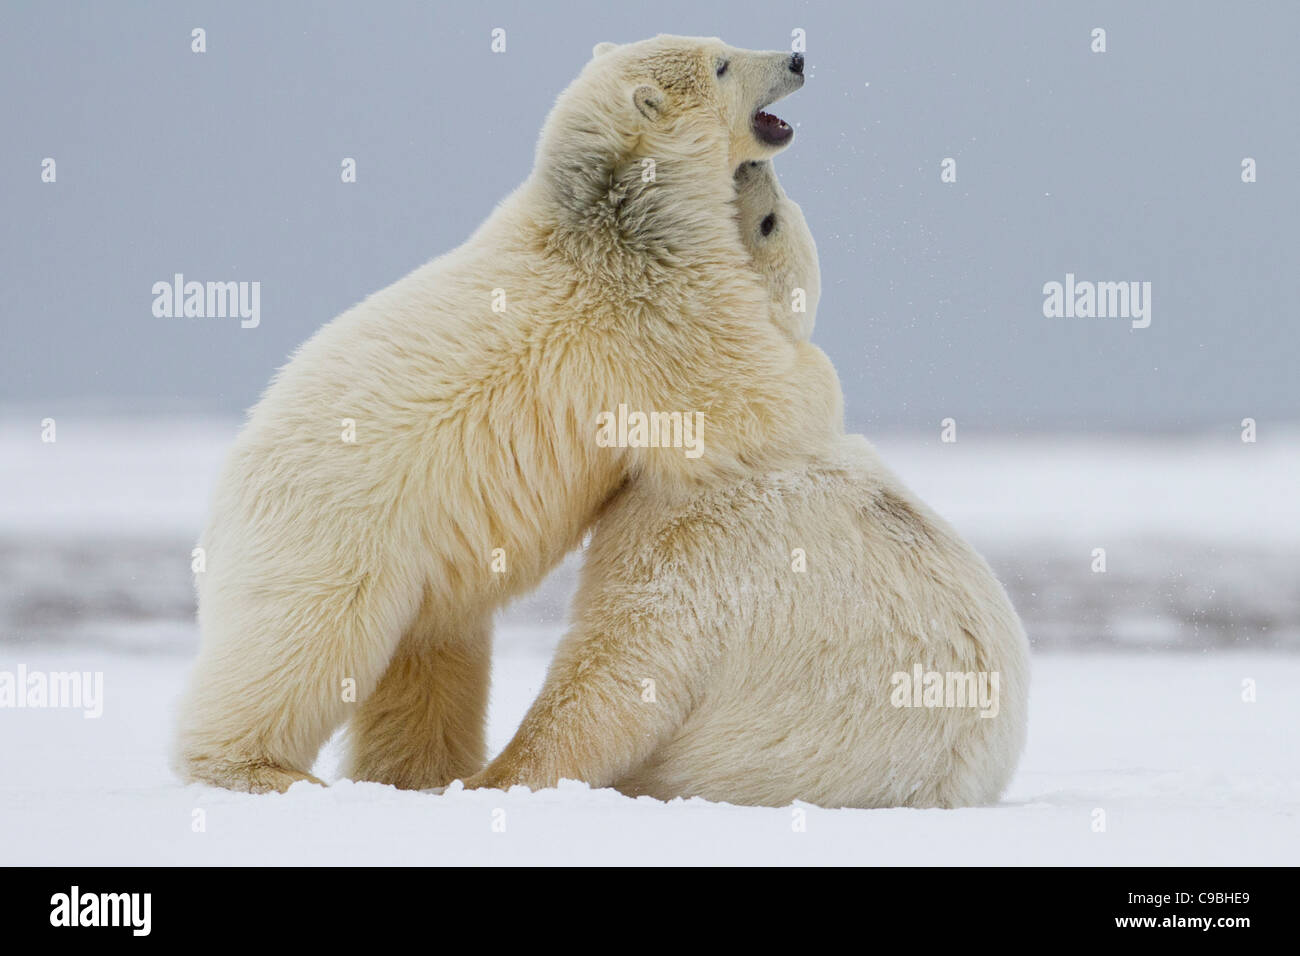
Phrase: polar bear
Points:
(432, 452)
(812, 632)
(781, 247)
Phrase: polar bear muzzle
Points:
(770, 129)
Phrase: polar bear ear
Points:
(600, 49)
(649, 102)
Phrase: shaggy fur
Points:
(704, 661)
(377, 564)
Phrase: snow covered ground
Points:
(1137, 707)
(1184, 770)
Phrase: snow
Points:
(1207, 488)
(1186, 772)
(110, 475)
(121, 474)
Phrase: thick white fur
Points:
(785, 257)
(371, 562)
(772, 684)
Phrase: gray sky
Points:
(1121, 166)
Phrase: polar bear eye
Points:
(768, 224)
(722, 67)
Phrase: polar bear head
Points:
(677, 111)
(777, 237)
(693, 85)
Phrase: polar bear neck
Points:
(618, 201)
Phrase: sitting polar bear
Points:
(432, 452)
(809, 633)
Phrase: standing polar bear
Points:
(806, 633)
(431, 452)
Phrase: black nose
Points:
(796, 63)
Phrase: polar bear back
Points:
(813, 588)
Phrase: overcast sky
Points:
(1116, 166)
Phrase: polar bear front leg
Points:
(613, 695)
(425, 723)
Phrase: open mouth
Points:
(771, 129)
